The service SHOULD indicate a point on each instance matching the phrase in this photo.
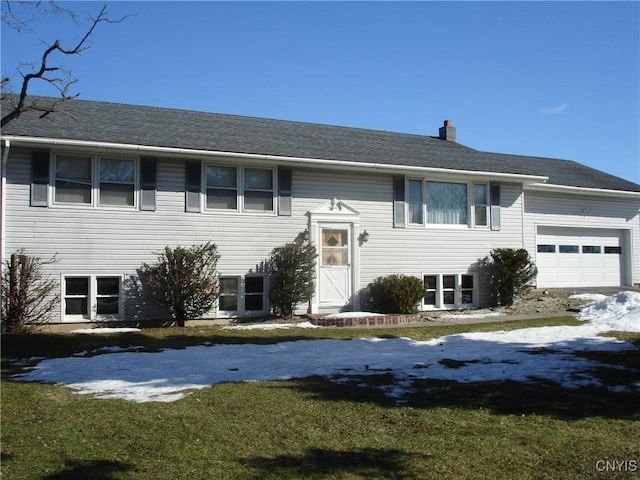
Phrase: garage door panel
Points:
(574, 257)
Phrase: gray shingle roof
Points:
(163, 127)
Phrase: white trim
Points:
(546, 187)
(3, 202)
(336, 214)
(92, 299)
(172, 151)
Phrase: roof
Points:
(94, 121)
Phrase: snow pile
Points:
(618, 312)
(99, 331)
(528, 354)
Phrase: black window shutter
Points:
(495, 206)
(284, 191)
(193, 185)
(147, 184)
(398, 202)
(40, 178)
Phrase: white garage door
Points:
(577, 257)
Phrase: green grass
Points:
(311, 428)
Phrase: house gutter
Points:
(584, 190)
(172, 151)
(6, 145)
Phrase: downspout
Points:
(3, 208)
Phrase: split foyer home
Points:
(108, 185)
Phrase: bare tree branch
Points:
(44, 70)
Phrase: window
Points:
(117, 182)
(225, 189)
(242, 296)
(569, 249)
(73, 179)
(449, 291)
(430, 281)
(258, 190)
(480, 205)
(88, 180)
(222, 187)
(335, 247)
(92, 297)
(466, 291)
(546, 249)
(591, 249)
(416, 204)
(613, 250)
(229, 294)
(76, 296)
(107, 295)
(446, 203)
(254, 294)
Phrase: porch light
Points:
(305, 235)
(364, 237)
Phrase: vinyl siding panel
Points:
(116, 241)
(113, 241)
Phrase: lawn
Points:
(313, 428)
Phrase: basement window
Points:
(89, 298)
(449, 291)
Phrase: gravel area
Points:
(535, 302)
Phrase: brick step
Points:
(368, 321)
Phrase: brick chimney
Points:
(447, 131)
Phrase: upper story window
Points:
(232, 188)
(446, 203)
(89, 180)
(117, 181)
(480, 205)
(73, 182)
(258, 189)
(416, 202)
(222, 187)
(422, 202)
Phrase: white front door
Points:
(335, 266)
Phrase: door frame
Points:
(336, 214)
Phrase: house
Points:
(108, 186)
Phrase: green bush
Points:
(512, 272)
(184, 280)
(395, 294)
(292, 269)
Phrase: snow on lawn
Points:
(170, 374)
(99, 331)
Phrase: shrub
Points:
(184, 280)
(27, 295)
(513, 270)
(291, 277)
(395, 294)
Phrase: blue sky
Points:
(550, 79)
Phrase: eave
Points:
(40, 142)
(550, 188)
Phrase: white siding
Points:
(595, 212)
(112, 241)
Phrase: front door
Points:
(335, 266)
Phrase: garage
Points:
(579, 257)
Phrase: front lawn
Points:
(313, 428)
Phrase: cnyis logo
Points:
(617, 465)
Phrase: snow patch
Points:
(522, 355)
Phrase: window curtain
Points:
(447, 203)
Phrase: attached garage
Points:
(580, 257)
